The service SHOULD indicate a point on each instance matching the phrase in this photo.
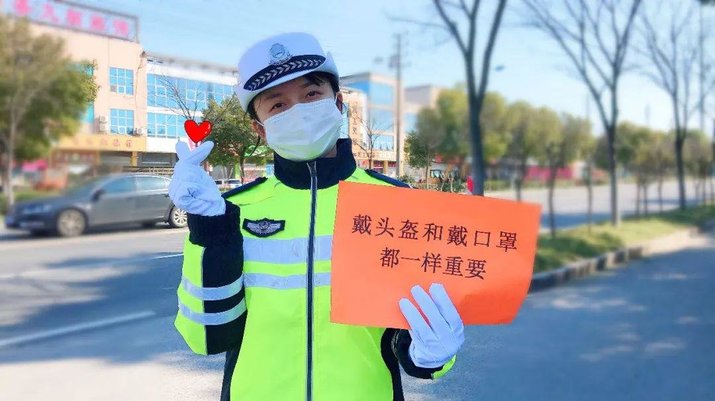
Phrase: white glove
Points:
(191, 187)
(437, 340)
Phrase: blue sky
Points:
(358, 32)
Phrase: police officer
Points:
(256, 271)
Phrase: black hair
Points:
(317, 78)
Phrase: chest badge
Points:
(263, 227)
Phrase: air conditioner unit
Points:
(102, 119)
(103, 127)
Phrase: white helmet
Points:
(279, 59)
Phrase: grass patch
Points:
(577, 243)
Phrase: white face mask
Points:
(305, 131)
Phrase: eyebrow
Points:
(278, 94)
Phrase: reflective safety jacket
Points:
(256, 285)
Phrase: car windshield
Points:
(83, 188)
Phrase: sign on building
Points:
(74, 16)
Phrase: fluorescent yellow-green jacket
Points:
(256, 285)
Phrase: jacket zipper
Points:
(309, 277)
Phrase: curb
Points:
(614, 259)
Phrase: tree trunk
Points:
(7, 186)
(552, 185)
(680, 170)
(475, 128)
(519, 182)
(615, 213)
(660, 194)
(241, 164)
(638, 198)
(645, 198)
(590, 203)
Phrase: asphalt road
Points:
(76, 314)
(571, 204)
(640, 333)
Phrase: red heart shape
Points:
(197, 132)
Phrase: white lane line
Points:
(43, 335)
(29, 242)
(84, 265)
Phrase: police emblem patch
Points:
(263, 227)
(279, 54)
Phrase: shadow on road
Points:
(644, 332)
(97, 290)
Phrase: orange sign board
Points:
(123, 143)
(388, 239)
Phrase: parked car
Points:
(225, 184)
(108, 200)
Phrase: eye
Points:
(276, 106)
(313, 94)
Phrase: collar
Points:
(330, 170)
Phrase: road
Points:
(570, 204)
(77, 314)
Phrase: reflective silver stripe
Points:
(286, 251)
(212, 293)
(321, 279)
(214, 319)
(263, 280)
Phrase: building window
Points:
(162, 91)
(383, 142)
(121, 80)
(382, 120)
(377, 93)
(162, 125)
(410, 122)
(121, 121)
(89, 114)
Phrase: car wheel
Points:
(177, 217)
(71, 223)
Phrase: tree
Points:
(595, 35)
(477, 81)
(422, 146)
(475, 92)
(495, 126)
(524, 144)
(663, 162)
(234, 139)
(698, 162)
(672, 55)
(588, 153)
(553, 150)
(637, 154)
(368, 142)
(44, 95)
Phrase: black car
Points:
(109, 200)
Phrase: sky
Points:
(359, 32)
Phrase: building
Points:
(382, 117)
(134, 121)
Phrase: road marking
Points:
(30, 242)
(43, 335)
(37, 272)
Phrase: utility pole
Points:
(702, 70)
(396, 62)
